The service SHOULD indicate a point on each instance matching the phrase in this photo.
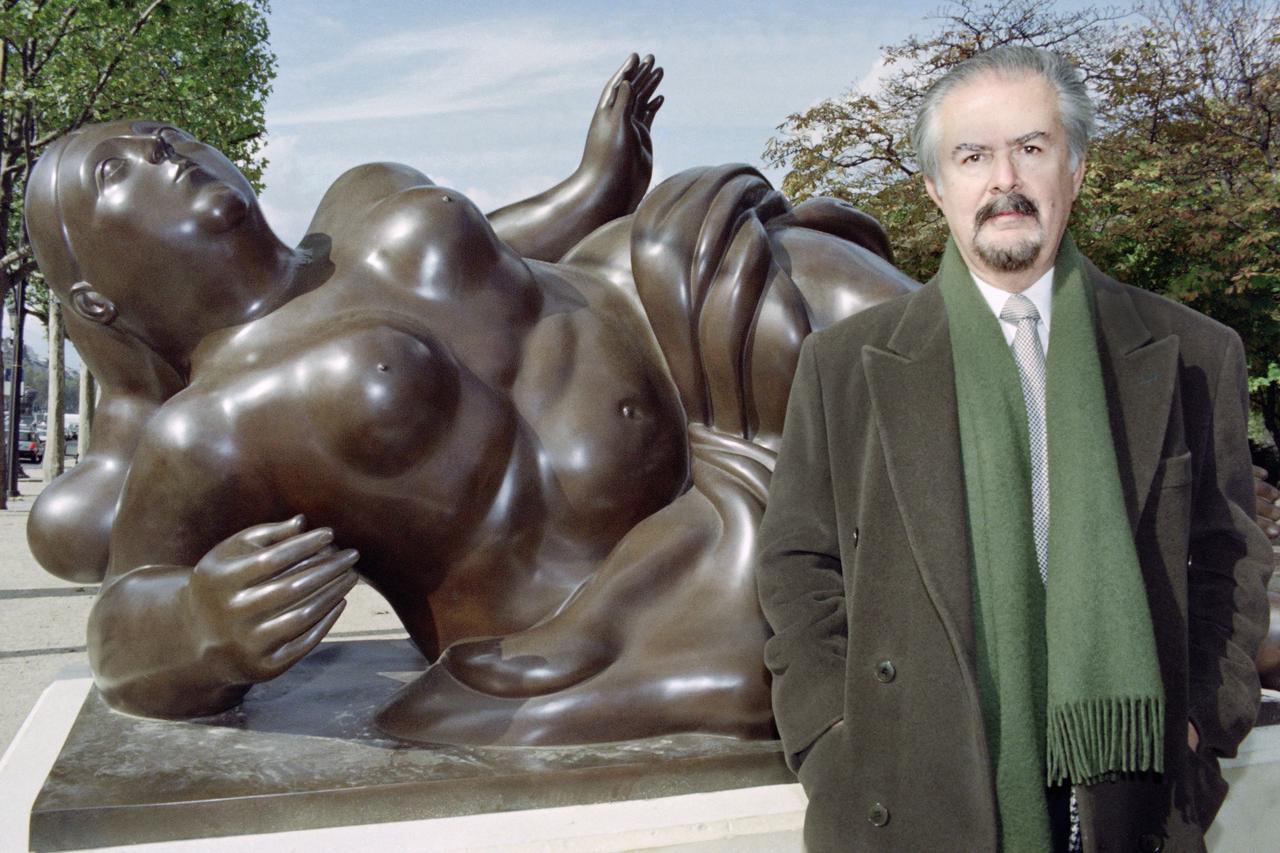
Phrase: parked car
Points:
(30, 445)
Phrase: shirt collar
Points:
(1040, 294)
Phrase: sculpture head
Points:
(139, 227)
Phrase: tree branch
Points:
(105, 76)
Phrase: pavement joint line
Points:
(48, 592)
(66, 650)
(31, 653)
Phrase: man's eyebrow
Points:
(970, 146)
(1027, 137)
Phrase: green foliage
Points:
(1182, 192)
(202, 65)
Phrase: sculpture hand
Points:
(1267, 503)
(618, 141)
(263, 598)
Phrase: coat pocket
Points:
(822, 757)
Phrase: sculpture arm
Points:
(613, 176)
(69, 530)
(1229, 563)
(178, 641)
(800, 576)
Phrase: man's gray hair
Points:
(1075, 108)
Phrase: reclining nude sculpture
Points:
(545, 435)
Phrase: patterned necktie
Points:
(1030, 358)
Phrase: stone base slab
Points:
(301, 753)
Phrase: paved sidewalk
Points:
(42, 618)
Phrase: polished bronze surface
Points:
(302, 753)
(545, 435)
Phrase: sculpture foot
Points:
(614, 706)
(510, 667)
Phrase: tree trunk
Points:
(88, 402)
(15, 390)
(4, 421)
(56, 435)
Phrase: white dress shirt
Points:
(1041, 296)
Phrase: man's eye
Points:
(110, 171)
(1031, 149)
(972, 158)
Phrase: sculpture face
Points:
(164, 230)
(190, 188)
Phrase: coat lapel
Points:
(1140, 375)
(912, 389)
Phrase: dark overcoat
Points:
(865, 577)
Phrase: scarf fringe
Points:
(1094, 740)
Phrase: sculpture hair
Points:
(119, 359)
(47, 230)
(1075, 107)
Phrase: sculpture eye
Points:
(110, 171)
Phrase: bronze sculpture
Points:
(565, 460)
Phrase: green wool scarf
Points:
(1068, 677)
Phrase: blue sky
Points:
(493, 98)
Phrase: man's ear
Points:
(932, 189)
(1077, 179)
(92, 305)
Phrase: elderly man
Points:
(1008, 556)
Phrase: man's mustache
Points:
(1014, 202)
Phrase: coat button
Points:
(1151, 843)
(856, 535)
(885, 671)
(879, 815)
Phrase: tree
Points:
(1182, 195)
(203, 65)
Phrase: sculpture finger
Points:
(643, 69)
(1264, 490)
(298, 582)
(621, 96)
(644, 89)
(1268, 509)
(296, 649)
(263, 535)
(299, 617)
(651, 111)
(268, 562)
(611, 88)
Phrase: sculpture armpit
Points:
(553, 470)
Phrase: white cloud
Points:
(870, 82)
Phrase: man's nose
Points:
(1004, 172)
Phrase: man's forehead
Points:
(995, 109)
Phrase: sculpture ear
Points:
(92, 305)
